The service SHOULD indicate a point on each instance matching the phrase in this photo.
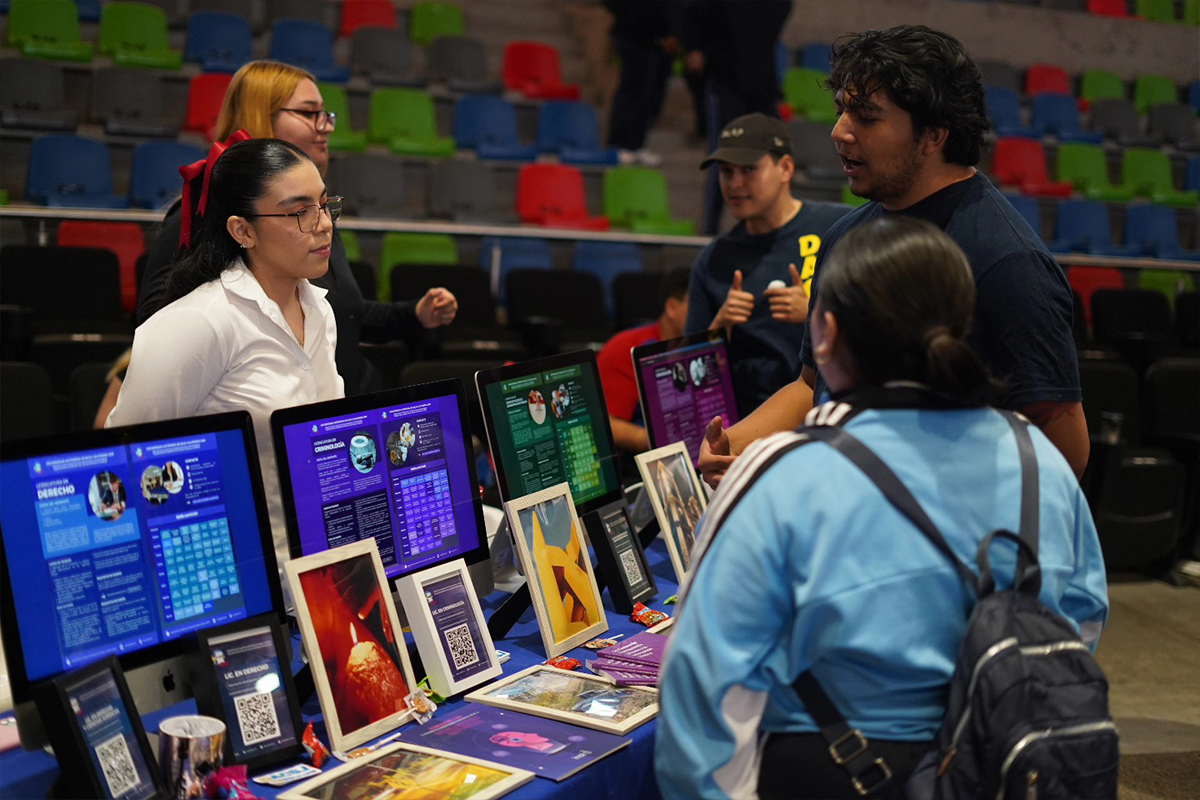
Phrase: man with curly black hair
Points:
(910, 132)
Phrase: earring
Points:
(821, 356)
(242, 246)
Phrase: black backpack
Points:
(1027, 713)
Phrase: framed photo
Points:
(407, 770)
(555, 561)
(243, 677)
(620, 557)
(97, 734)
(353, 640)
(448, 626)
(678, 500)
(589, 701)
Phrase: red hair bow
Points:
(192, 171)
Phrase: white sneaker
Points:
(626, 157)
(1189, 570)
(648, 158)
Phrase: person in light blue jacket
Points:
(811, 568)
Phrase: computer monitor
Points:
(683, 384)
(125, 542)
(396, 466)
(547, 423)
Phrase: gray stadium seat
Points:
(32, 96)
(1173, 123)
(814, 152)
(466, 191)
(385, 56)
(129, 102)
(373, 185)
(460, 63)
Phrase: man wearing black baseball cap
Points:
(752, 279)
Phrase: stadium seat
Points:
(130, 103)
(206, 91)
(461, 63)
(1191, 12)
(1028, 208)
(124, 239)
(552, 195)
(466, 191)
(487, 124)
(72, 172)
(384, 56)
(1108, 8)
(607, 260)
(1116, 119)
(47, 29)
(68, 289)
(1085, 167)
(87, 387)
(218, 42)
(1170, 282)
(1155, 10)
(135, 35)
(1151, 89)
(1099, 84)
(1171, 388)
(1191, 174)
(374, 185)
(308, 45)
(429, 20)
(1148, 171)
(532, 69)
(1111, 401)
(1004, 112)
(343, 138)
(1064, 5)
(1086, 280)
(1136, 322)
(154, 180)
(1152, 230)
(636, 198)
(572, 300)
(404, 120)
(999, 73)
(308, 10)
(358, 14)
(814, 55)
(500, 255)
(636, 298)
(1022, 163)
(352, 247)
(412, 248)
(32, 95)
(1193, 95)
(1081, 226)
(1137, 504)
(570, 130)
(468, 283)
(1058, 115)
(26, 401)
(1042, 78)
(814, 153)
(1173, 123)
(805, 93)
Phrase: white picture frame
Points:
(421, 594)
(678, 498)
(354, 642)
(421, 765)
(571, 612)
(558, 694)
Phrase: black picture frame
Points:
(619, 553)
(211, 684)
(97, 735)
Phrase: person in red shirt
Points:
(616, 364)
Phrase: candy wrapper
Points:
(422, 706)
(318, 751)
(228, 783)
(647, 616)
(563, 662)
(600, 644)
(670, 601)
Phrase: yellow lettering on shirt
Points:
(810, 244)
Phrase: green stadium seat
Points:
(135, 35)
(851, 199)
(405, 121)
(430, 20)
(805, 92)
(47, 29)
(1148, 171)
(1099, 84)
(1151, 89)
(412, 248)
(1171, 282)
(1155, 10)
(342, 138)
(350, 242)
(1191, 12)
(636, 198)
(1084, 166)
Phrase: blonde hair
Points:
(255, 95)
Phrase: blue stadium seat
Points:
(1004, 111)
(1151, 230)
(814, 55)
(218, 42)
(72, 172)
(1081, 226)
(89, 10)
(514, 253)
(783, 59)
(154, 180)
(570, 129)
(487, 124)
(308, 45)
(1058, 115)
(607, 260)
(1027, 207)
(1191, 175)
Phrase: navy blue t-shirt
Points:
(763, 352)
(1022, 323)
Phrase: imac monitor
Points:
(683, 383)
(395, 466)
(547, 423)
(126, 542)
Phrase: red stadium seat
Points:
(1047, 78)
(532, 69)
(125, 239)
(1085, 280)
(367, 13)
(1108, 8)
(205, 93)
(552, 195)
(1022, 163)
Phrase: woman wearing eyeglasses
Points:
(245, 328)
(270, 99)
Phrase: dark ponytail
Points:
(240, 177)
(903, 295)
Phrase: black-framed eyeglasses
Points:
(309, 217)
(321, 120)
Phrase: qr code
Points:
(462, 646)
(256, 717)
(633, 570)
(117, 765)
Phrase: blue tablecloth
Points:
(627, 774)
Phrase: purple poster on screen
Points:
(457, 628)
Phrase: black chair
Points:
(68, 289)
(635, 295)
(26, 402)
(129, 102)
(463, 369)
(1111, 401)
(1187, 321)
(364, 275)
(87, 387)
(32, 96)
(467, 191)
(1172, 401)
(550, 307)
(61, 353)
(1137, 322)
(16, 332)
(1137, 504)
(475, 332)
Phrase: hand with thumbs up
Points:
(737, 306)
(789, 303)
(715, 453)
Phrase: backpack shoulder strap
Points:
(1028, 574)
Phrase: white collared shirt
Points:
(225, 346)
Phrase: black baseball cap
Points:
(748, 138)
